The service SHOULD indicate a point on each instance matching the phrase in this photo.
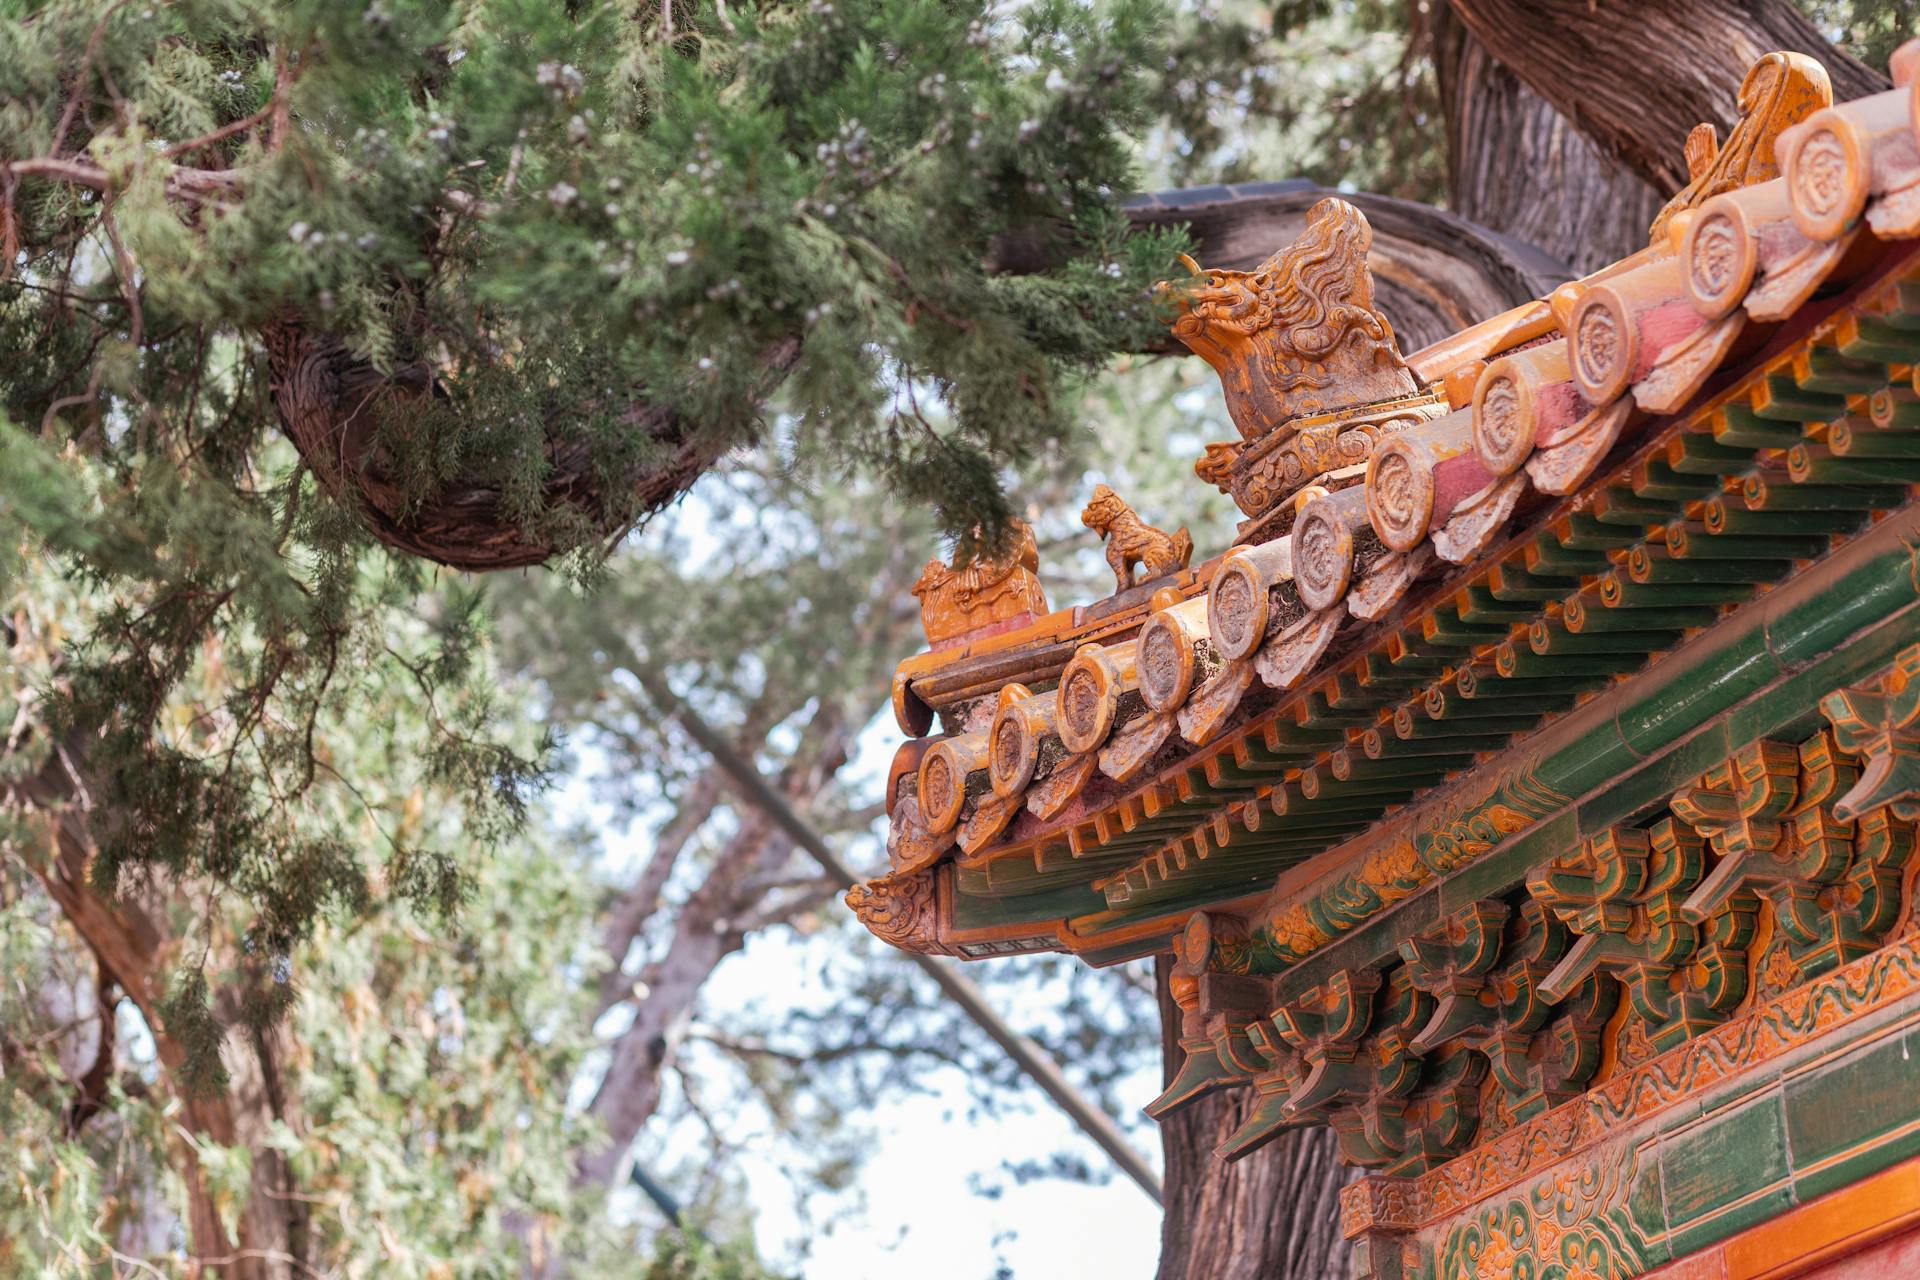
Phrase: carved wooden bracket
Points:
(1452, 963)
(1219, 1011)
(1621, 892)
(1485, 966)
(1738, 806)
(1880, 723)
(1417, 1132)
(1376, 1103)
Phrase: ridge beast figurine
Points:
(1132, 541)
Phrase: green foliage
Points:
(205, 674)
(548, 213)
(299, 745)
(1339, 92)
(434, 1067)
(690, 1257)
(429, 1080)
(1868, 29)
(187, 1013)
(552, 207)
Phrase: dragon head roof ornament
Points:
(1299, 335)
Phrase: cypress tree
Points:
(300, 298)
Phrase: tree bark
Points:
(1636, 78)
(1272, 1216)
(132, 941)
(637, 904)
(331, 405)
(1574, 203)
(707, 929)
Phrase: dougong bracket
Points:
(1880, 723)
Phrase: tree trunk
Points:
(131, 939)
(1272, 1216)
(1574, 203)
(1636, 78)
(709, 927)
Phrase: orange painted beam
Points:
(1840, 1228)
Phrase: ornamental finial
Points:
(981, 591)
(1780, 90)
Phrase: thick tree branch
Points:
(133, 943)
(187, 185)
(641, 900)
(1436, 274)
(332, 404)
(707, 929)
(1569, 200)
(1635, 78)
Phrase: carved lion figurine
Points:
(1132, 541)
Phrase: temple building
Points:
(1529, 792)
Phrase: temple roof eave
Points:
(1565, 568)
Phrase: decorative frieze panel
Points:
(1806, 1092)
(1511, 1006)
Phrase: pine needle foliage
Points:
(1869, 29)
(556, 213)
(534, 233)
